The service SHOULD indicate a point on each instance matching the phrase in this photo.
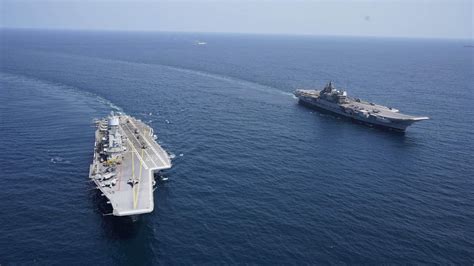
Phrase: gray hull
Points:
(321, 105)
(338, 102)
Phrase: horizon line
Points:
(237, 33)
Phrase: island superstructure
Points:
(126, 156)
(337, 102)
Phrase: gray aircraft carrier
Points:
(337, 102)
(126, 156)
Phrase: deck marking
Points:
(129, 130)
(151, 146)
(119, 178)
(133, 182)
(137, 190)
(138, 155)
(133, 166)
(136, 149)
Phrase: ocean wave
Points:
(58, 159)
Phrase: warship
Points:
(126, 158)
(337, 102)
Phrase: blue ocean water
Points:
(257, 178)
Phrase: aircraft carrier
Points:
(126, 156)
(336, 101)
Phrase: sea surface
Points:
(257, 178)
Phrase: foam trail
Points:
(246, 83)
(105, 102)
(58, 86)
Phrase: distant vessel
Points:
(337, 102)
(201, 43)
(126, 156)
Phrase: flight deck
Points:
(126, 156)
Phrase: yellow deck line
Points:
(133, 146)
(133, 180)
(151, 146)
(137, 190)
(138, 155)
(133, 166)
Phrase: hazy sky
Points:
(410, 18)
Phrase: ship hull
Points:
(336, 110)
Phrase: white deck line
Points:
(157, 155)
(138, 155)
(151, 146)
(156, 166)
